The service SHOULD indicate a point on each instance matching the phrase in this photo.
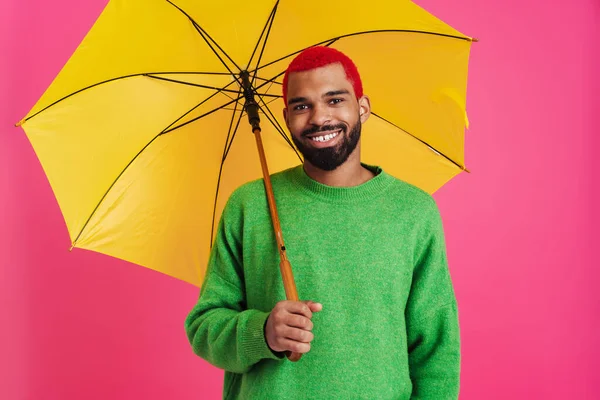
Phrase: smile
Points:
(325, 138)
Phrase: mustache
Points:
(323, 128)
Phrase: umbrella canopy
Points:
(142, 134)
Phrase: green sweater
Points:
(373, 255)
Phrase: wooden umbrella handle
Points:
(251, 108)
(289, 284)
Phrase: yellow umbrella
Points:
(141, 133)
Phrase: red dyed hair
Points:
(321, 56)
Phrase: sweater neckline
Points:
(371, 188)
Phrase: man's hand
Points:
(289, 326)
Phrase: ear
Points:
(364, 108)
(285, 117)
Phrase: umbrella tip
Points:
(21, 122)
(72, 245)
(474, 40)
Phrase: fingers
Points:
(298, 321)
(285, 318)
(314, 307)
(297, 307)
(289, 326)
(298, 335)
(297, 347)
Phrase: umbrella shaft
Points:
(285, 267)
(270, 196)
(291, 293)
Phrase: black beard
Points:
(329, 158)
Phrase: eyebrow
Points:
(331, 93)
(297, 100)
(336, 93)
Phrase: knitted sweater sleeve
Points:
(432, 318)
(219, 328)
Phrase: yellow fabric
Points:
(133, 154)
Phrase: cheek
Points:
(296, 125)
(350, 115)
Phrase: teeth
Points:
(325, 138)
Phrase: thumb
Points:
(314, 306)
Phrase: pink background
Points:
(520, 228)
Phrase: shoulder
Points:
(253, 193)
(409, 196)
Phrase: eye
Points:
(336, 100)
(300, 107)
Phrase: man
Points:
(368, 254)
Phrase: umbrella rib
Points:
(198, 105)
(193, 84)
(225, 151)
(274, 96)
(230, 137)
(278, 127)
(271, 117)
(277, 96)
(190, 73)
(272, 80)
(201, 116)
(110, 187)
(468, 39)
(135, 157)
(263, 79)
(327, 43)
(422, 141)
(262, 50)
(216, 44)
(109, 81)
(270, 101)
(267, 81)
(233, 137)
(261, 35)
(202, 32)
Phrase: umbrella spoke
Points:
(276, 96)
(329, 42)
(267, 24)
(228, 143)
(277, 126)
(147, 74)
(269, 81)
(225, 94)
(188, 73)
(216, 44)
(272, 18)
(202, 116)
(110, 187)
(270, 101)
(208, 39)
(422, 141)
(167, 129)
(223, 90)
(272, 82)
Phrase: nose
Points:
(320, 115)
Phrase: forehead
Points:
(318, 81)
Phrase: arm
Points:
(219, 328)
(432, 319)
